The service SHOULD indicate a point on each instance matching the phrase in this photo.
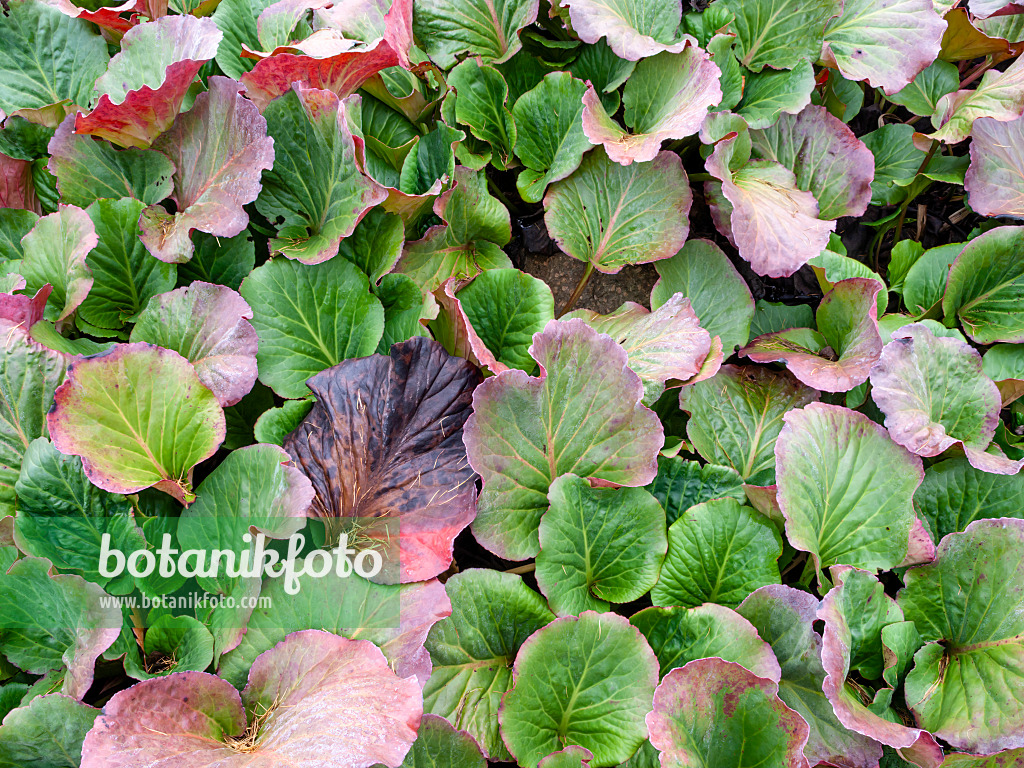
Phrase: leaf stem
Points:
(521, 569)
(578, 290)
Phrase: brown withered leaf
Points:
(384, 440)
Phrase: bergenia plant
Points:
(538, 383)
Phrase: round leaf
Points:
(986, 286)
(954, 494)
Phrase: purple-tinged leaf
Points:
(985, 8)
(1000, 96)
(843, 641)
(667, 97)
(995, 180)
(715, 712)
(1011, 758)
(24, 311)
(845, 488)
(665, 344)
(220, 147)
(582, 414)
(109, 18)
(385, 440)
(634, 29)
(839, 356)
(139, 417)
(609, 216)
(54, 254)
(934, 395)
(784, 617)
(570, 757)
(773, 223)
(828, 160)
(331, 67)
(16, 187)
(316, 700)
(145, 84)
(886, 42)
(55, 622)
(209, 326)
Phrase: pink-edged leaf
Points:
(138, 416)
(368, 20)
(845, 488)
(54, 254)
(276, 22)
(838, 644)
(665, 344)
(999, 96)
(340, 71)
(773, 223)
(711, 710)
(209, 325)
(145, 84)
(921, 549)
(995, 180)
(935, 395)
(395, 618)
(385, 440)
(457, 333)
(634, 28)
(24, 311)
(886, 42)
(582, 414)
(220, 147)
(843, 350)
(332, 701)
(315, 700)
(16, 187)
(109, 18)
(55, 622)
(985, 8)
(570, 757)
(784, 617)
(666, 97)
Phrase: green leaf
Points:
(182, 642)
(403, 309)
(506, 308)
(47, 59)
(905, 254)
(126, 275)
(682, 484)
(439, 745)
(954, 494)
(717, 292)
(925, 282)
(274, 425)
(896, 159)
(831, 268)
(784, 617)
(845, 488)
(47, 733)
(237, 20)
(376, 244)
(1000, 95)
(609, 215)
(718, 552)
(52, 623)
(714, 712)
(254, 488)
(922, 96)
(63, 517)
(736, 416)
(429, 161)
(680, 635)
(156, 421)
(770, 317)
(29, 375)
(986, 285)
(550, 141)
(598, 546)
(88, 169)
(769, 93)
(55, 253)
(472, 651)
(586, 681)
(15, 223)
(479, 102)
(219, 260)
(634, 29)
(860, 600)
(582, 415)
(490, 30)
(309, 318)
(780, 33)
(314, 203)
(965, 686)
(598, 64)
